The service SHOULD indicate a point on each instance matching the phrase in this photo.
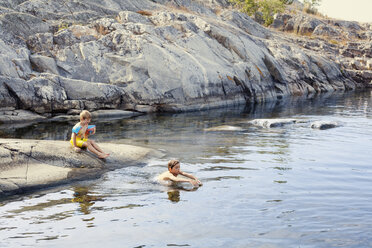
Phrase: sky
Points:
(350, 10)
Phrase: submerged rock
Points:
(322, 125)
(32, 164)
(223, 128)
(270, 123)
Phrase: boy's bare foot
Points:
(104, 155)
(77, 149)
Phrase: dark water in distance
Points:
(291, 186)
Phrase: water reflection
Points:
(174, 191)
(174, 195)
(86, 200)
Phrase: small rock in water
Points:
(322, 125)
(223, 128)
(269, 123)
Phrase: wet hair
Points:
(85, 114)
(172, 163)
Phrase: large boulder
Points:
(325, 30)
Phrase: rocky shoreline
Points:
(58, 58)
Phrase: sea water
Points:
(289, 186)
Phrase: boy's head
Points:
(174, 166)
(85, 115)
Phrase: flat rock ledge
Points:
(25, 116)
(110, 114)
(19, 115)
(35, 164)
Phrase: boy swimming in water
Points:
(79, 136)
(174, 171)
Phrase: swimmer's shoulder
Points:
(164, 176)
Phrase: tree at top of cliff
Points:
(267, 8)
(310, 6)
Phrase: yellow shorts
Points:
(79, 142)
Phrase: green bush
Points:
(267, 7)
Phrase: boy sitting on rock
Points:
(173, 174)
(79, 136)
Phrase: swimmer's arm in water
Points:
(76, 148)
(191, 176)
(181, 180)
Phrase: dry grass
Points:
(144, 12)
(178, 8)
(258, 69)
(307, 34)
(184, 9)
(217, 11)
(101, 29)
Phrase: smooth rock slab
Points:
(322, 125)
(270, 123)
(33, 164)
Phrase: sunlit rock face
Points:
(153, 56)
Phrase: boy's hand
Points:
(77, 149)
(195, 183)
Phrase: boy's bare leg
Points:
(91, 148)
(94, 144)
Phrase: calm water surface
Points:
(291, 186)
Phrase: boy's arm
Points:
(190, 176)
(177, 179)
(180, 179)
